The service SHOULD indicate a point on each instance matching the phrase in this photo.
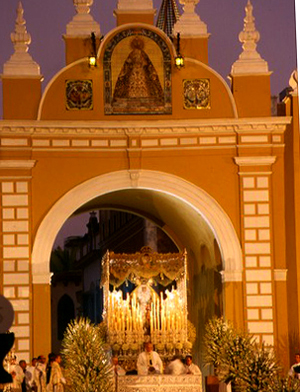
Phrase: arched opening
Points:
(188, 215)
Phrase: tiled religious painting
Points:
(137, 74)
(196, 93)
(79, 94)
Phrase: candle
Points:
(154, 315)
(151, 319)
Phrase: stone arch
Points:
(174, 186)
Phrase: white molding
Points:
(280, 275)
(174, 186)
(17, 164)
(267, 125)
(231, 276)
(255, 161)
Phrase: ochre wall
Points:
(65, 170)
(21, 98)
(53, 104)
(252, 94)
(222, 103)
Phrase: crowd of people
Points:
(40, 376)
(47, 376)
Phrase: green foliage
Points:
(238, 359)
(224, 348)
(86, 359)
(261, 369)
(286, 384)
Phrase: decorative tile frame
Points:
(107, 71)
(79, 94)
(196, 94)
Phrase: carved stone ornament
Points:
(79, 94)
(250, 61)
(83, 23)
(21, 63)
(161, 383)
(196, 93)
(189, 23)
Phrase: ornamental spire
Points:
(21, 63)
(190, 24)
(249, 60)
(168, 16)
(83, 24)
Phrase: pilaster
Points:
(21, 76)
(258, 248)
(16, 285)
(193, 32)
(79, 30)
(134, 11)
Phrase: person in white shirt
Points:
(118, 370)
(190, 367)
(294, 371)
(39, 374)
(175, 367)
(29, 375)
(149, 361)
(18, 376)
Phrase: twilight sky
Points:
(46, 21)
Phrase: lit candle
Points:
(151, 318)
(154, 315)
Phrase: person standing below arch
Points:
(191, 368)
(149, 361)
(57, 380)
(294, 371)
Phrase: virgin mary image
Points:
(138, 87)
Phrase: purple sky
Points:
(46, 21)
(275, 20)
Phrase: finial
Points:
(293, 82)
(249, 61)
(21, 63)
(83, 23)
(190, 24)
(135, 5)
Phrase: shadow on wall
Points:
(206, 299)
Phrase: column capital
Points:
(231, 276)
(255, 161)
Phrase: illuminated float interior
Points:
(145, 299)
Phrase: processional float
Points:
(145, 299)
